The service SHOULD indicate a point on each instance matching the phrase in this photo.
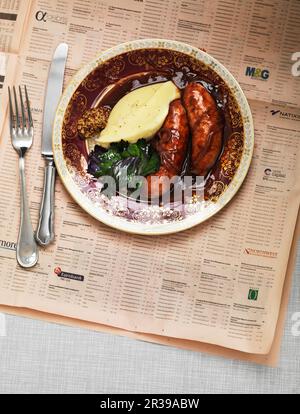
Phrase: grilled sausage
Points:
(206, 126)
(171, 145)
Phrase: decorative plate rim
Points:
(162, 228)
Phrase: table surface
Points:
(40, 357)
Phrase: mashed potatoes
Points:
(139, 114)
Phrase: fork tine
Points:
(22, 108)
(11, 112)
(16, 109)
(30, 123)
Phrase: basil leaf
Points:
(134, 150)
(127, 166)
(106, 162)
(151, 165)
(110, 155)
(124, 171)
(119, 146)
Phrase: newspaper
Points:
(219, 283)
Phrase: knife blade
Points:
(45, 230)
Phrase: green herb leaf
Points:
(135, 159)
(151, 165)
(106, 162)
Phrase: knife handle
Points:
(45, 230)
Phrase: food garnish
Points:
(139, 159)
(92, 122)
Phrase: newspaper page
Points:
(8, 62)
(220, 282)
(13, 19)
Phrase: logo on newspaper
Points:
(285, 115)
(253, 294)
(272, 175)
(262, 253)
(40, 16)
(257, 73)
(68, 275)
(43, 16)
(274, 112)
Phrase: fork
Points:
(21, 131)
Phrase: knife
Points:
(45, 230)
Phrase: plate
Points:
(177, 61)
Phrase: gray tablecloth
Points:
(47, 358)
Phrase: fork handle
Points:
(27, 251)
(45, 230)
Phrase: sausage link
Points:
(171, 145)
(206, 126)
